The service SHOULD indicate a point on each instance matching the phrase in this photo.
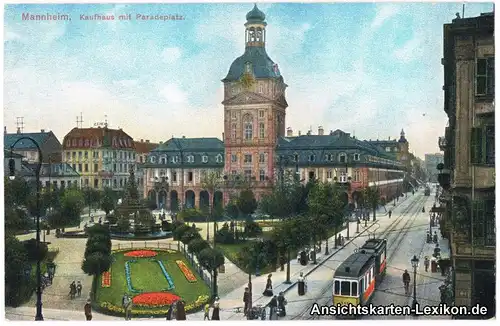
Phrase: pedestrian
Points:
(246, 301)
(268, 292)
(426, 263)
(180, 311)
(72, 290)
(124, 300)
(390, 214)
(301, 284)
(169, 311)
(281, 304)
(207, 312)
(100, 220)
(216, 310)
(88, 310)
(273, 307)
(79, 289)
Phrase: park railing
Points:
(206, 276)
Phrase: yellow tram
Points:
(356, 279)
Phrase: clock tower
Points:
(254, 108)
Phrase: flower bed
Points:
(154, 299)
(117, 310)
(141, 253)
(167, 276)
(127, 275)
(186, 271)
(106, 279)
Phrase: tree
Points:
(326, 206)
(252, 228)
(108, 200)
(196, 245)
(211, 182)
(188, 236)
(97, 258)
(34, 253)
(372, 195)
(246, 202)
(211, 259)
(96, 263)
(231, 210)
(16, 191)
(72, 205)
(16, 219)
(179, 231)
(16, 283)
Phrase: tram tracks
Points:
(324, 299)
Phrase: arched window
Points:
(251, 35)
(343, 158)
(218, 159)
(259, 35)
(248, 127)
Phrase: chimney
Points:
(321, 131)
(289, 132)
(5, 130)
(18, 130)
(331, 132)
(300, 133)
(161, 142)
(223, 136)
(309, 132)
(389, 137)
(42, 130)
(142, 140)
(183, 136)
(147, 140)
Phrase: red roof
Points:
(144, 147)
(97, 137)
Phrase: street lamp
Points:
(347, 208)
(12, 176)
(414, 264)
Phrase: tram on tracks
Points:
(356, 279)
(427, 191)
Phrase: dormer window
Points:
(163, 159)
(329, 157)
(343, 158)
(152, 159)
(175, 159)
(190, 159)
(387, 149)
(296, 157)
(248, 67)
(204, 159)
(356, 157)
(312, 157)
(218, 158)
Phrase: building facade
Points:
(56, 175)
(142, 148)
(431, 163)
(102, 156)
(468, 174)
(50, 146)
(175, 171)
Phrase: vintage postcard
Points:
(249, 161)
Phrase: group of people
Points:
(179, 308)
(215, 310)
(75, 289)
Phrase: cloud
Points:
(11, 36)
(384, 13)
(171, 55)
(173, 94)
(126, 83)
(410, 51)
(41, 33)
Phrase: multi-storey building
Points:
(254, 147)
(56, 175)
(102, 156)
(142, 148)
(175, 170)
(468, 173)
(49, 145)
(431, 163)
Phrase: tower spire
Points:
(255, 35)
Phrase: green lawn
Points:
(147, 276)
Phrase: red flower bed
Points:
(141, 253)
(154, 299)
(106, 279)
(186, 271)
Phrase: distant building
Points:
(56, 175)
(50, 146)
(431, 162)
(142, 148)
(102, 156)
(468, 177)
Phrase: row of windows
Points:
(485, 76)
(342, 176)
(95, 154)
(248, 158)
(189, 159)
(261, 115)
(248, 174)
(122, 142)
(120, 168)
(248, 130)
(353, 288)
(342, 157)
(64, 184)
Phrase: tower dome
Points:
(255, 15)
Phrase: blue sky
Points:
(368, 68)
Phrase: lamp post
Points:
(12, 176)
(414, 264)
(347, 208)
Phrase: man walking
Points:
(88, 310)
(246, 300)
(79, 288)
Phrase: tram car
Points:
(356, 279)
(427, 191)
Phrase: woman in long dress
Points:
(268, 292)
(302, 284)
(216, 310)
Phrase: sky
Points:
(370, 69)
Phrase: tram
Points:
(356, 279)
(427, 191)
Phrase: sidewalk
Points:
(234, 299)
